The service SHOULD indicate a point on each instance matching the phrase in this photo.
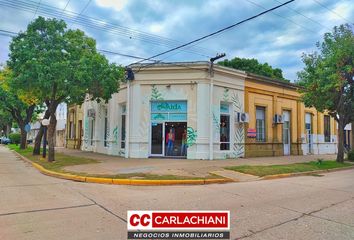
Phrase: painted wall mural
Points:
(155, 93)
(86, 131)
(239, 146)
(191, 136)
(115, 135)
(226, 95)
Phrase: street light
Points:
(45, 123)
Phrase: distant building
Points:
(74, 130)
(60, 128)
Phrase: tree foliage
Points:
(60, 65)
(21, 109)
(327, 79)
(253, 66)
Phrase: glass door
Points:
(286, 132)
(157, 139)
(308, 127)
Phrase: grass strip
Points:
(262, 171)
(62, 161)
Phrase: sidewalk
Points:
(180, 167)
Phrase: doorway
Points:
(286, 132)
(168, 139)
(308, 127)
(80, 135)
(175, 139)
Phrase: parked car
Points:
(5, 140)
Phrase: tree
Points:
(253, 66)
(327, 79)
(5, 122)
(19, 105)
(61, 65)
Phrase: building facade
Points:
(190, 110)
(302, 130)
(74, 127)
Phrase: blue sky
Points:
(144, 28)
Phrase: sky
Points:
(143, 28)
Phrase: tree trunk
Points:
(23, 142)
(340, 154)
(37, 141)
(352, 139)
(51, 137)
(51, 131)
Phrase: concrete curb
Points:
(116, 181)
(284, 175)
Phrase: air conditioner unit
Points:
(242, 117)
(278, 119)
(91, 113)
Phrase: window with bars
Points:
(105, 142)
(224, 126)
(327, 128)
(260, 124)
(92, 130)
(122, 139)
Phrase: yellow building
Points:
(280, 124)
(74, 131)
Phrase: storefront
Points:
(168, 131)
(174, 111)
(170, 111)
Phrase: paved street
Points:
(34, 206)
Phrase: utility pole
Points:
(212, 60)
(211, 75)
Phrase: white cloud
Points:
(117, 5)
(156, 28)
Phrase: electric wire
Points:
(216, 32)
(67, 3)
(35, 13)
(13, 34)
(290, 20)
(98, 24)
(81, 12)
(308, 18)
(332, 11)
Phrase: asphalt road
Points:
(34, 206)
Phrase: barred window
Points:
(327, 128)
(105, 128)
(122, 137)
(260, 124)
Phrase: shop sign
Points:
(177, 116)
(169, 106)
(251, 133)
(159, 116)
(224, 108)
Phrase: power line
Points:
(312, 20)
(276, 14)
(216, 32)
(82, 11)
(324, 6)
(30, 6)
(13, 34)
(67, 3)
(39, 3)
